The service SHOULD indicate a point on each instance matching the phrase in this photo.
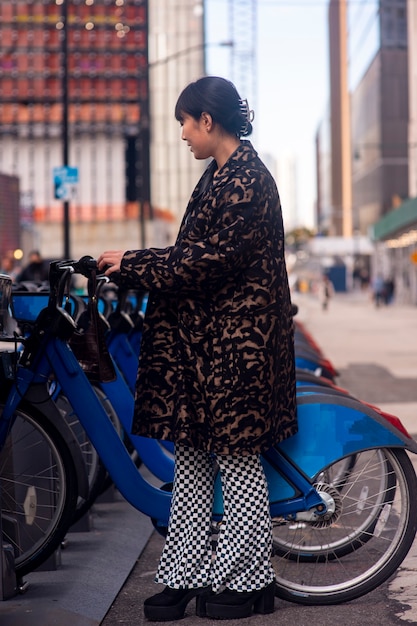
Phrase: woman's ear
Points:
(207, 121)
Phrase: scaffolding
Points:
(243, 33)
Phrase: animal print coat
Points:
(216, 365)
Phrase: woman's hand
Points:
(109, 261)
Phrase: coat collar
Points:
(244, 153)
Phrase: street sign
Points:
(65, 182)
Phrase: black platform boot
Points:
(170, 604)
(236, 604)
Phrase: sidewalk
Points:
(374, 349)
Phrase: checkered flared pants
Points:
(242, 560)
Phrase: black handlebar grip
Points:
(86, 265)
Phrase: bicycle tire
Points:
(39, 488)
(310, 543)
(334, 579)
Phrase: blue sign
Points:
(65, 182)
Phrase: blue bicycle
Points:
(342, 491)
(42, 472)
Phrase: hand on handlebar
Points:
(109, 261)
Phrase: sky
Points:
(292, 84)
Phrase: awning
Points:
(395, 222)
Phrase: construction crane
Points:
(243, 33)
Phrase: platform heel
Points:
(201, 603)
(171, 604)
(235, 605)
(266, 601)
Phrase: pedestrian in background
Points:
(389, 290)
(325, 291)
(216, 372)
(36, 269)
(9, 266)
(378, 290)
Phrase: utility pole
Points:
(65, 123)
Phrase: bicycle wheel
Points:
(38, 488)
(325, 538)
(381, 528)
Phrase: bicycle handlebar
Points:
(85, 266)
(60, 273)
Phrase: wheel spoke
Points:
(361, 543)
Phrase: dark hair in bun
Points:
(220, 98)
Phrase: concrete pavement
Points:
(374, 349)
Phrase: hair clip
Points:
(247, 113)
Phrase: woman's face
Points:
(194, 132)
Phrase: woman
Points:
(216, 372)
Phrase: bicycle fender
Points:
(331, 427)
(38, 395)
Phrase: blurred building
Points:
(380, 112)
(395, 234)
(284, 171)
(340, 147)
(323, 177)
(78, 73)
(177, 51)
(412, 97)
(10, 239)
(363, 142)
(334, 159)
(380, 104)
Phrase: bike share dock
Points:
(375, 352)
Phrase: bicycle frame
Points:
(103, 435)
(330, 427)
(346, 425)
(119, 392)
(302, 472)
